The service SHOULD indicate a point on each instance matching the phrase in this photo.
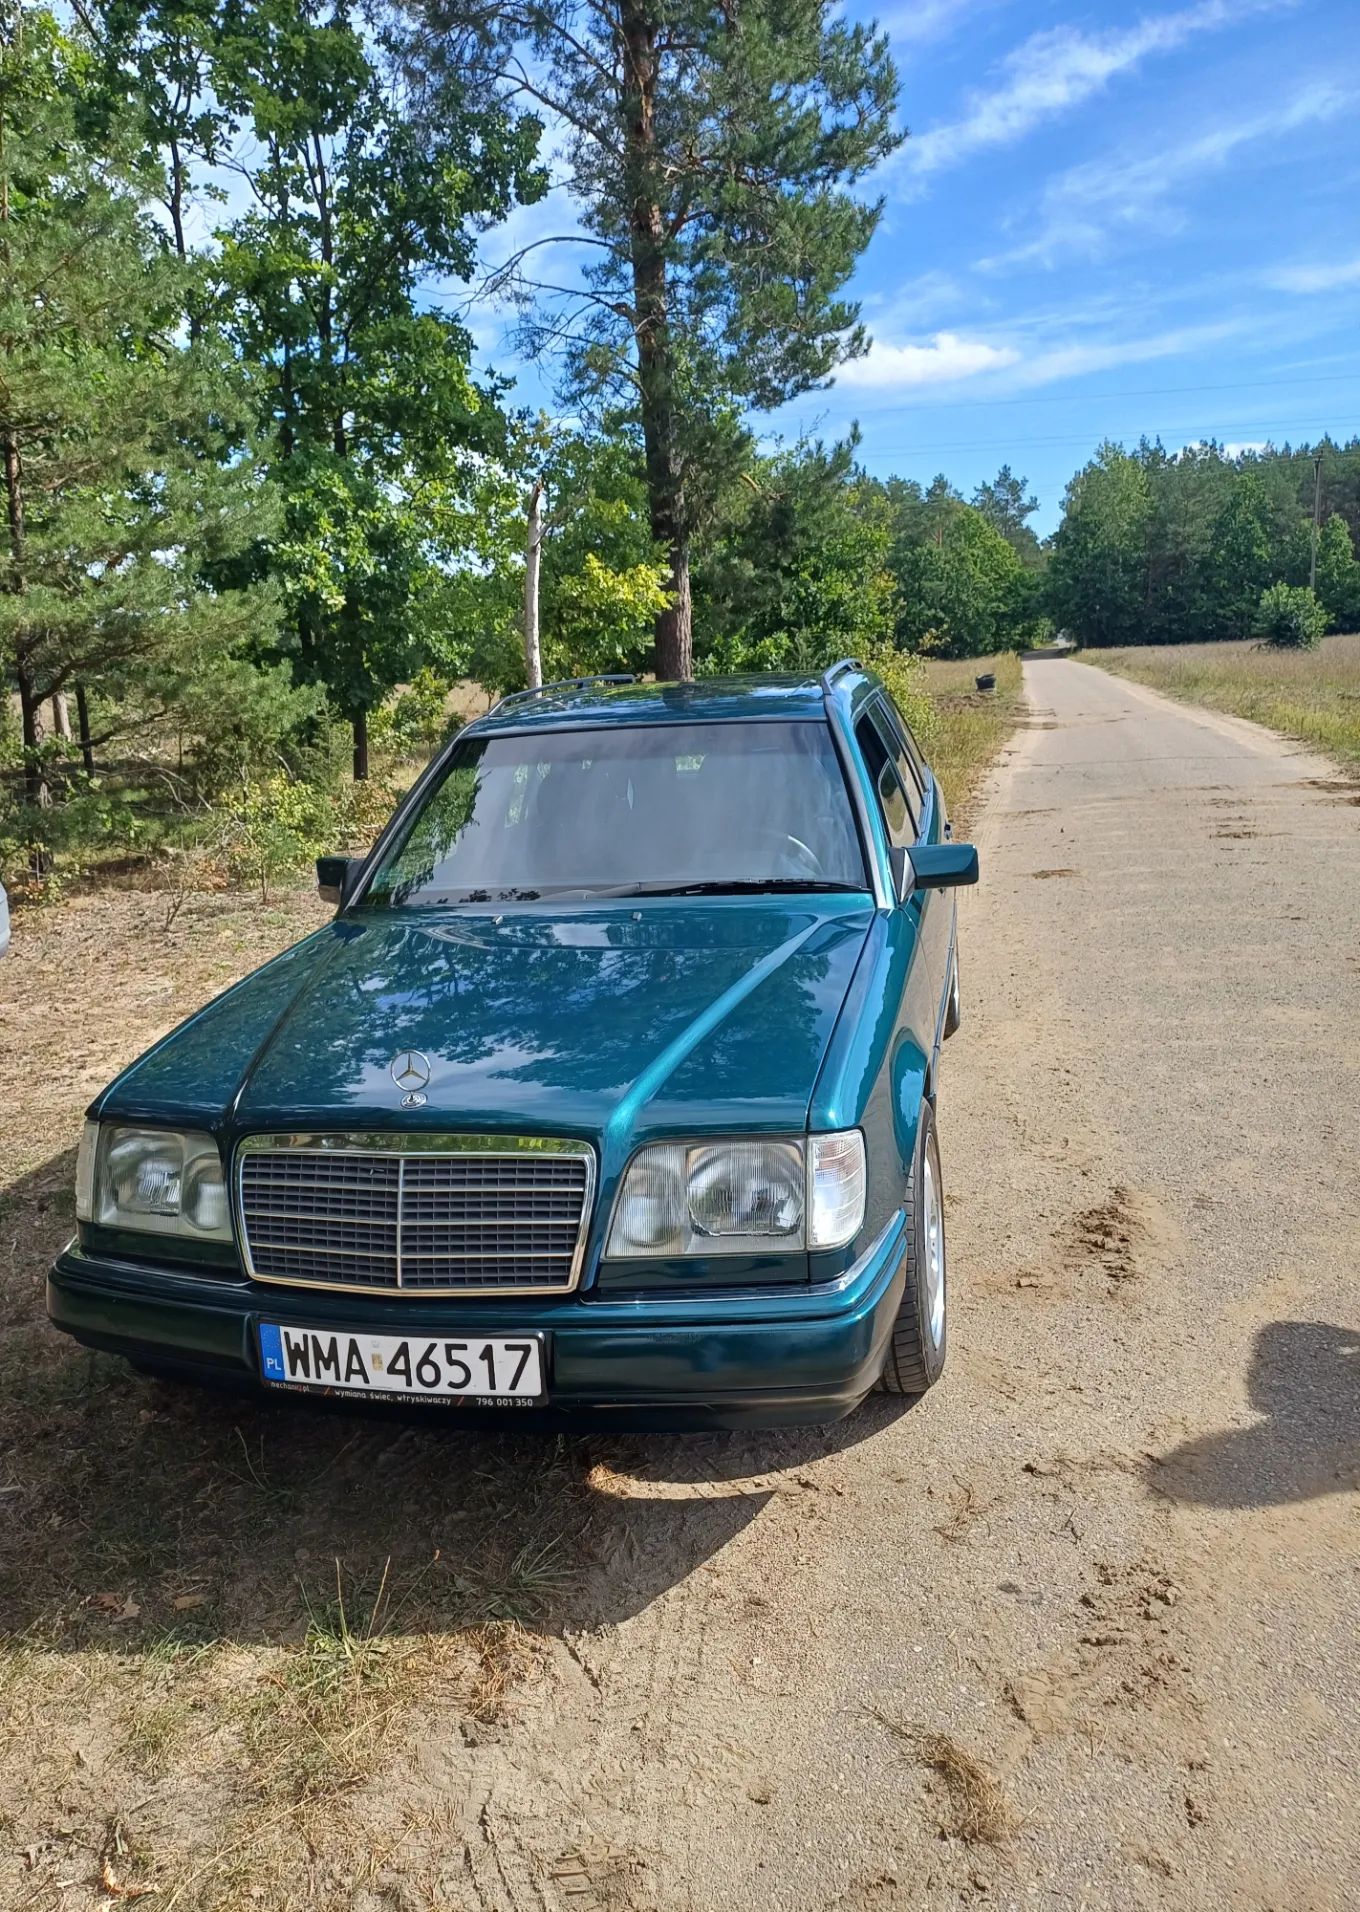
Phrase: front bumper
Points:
(738, 1358)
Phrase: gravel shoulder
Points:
(1078, 1629)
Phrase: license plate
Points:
(501, 1373)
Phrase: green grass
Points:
(1311, 695)
(970, 725)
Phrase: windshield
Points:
(673, 808)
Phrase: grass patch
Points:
(1311, 695)
(970, 725)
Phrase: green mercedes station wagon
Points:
(609, 1090)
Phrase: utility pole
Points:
(1317, 519)
(533, 546)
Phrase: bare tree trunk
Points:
(360, 745)
(656, 370)
(533, 548)
(83, 720)
(176, 203)
(61, 717)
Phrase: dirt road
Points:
(1112, 1558)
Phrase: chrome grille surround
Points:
(413, 1213)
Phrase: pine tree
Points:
(712, 149)
(123, 471)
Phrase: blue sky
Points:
(1105, 222)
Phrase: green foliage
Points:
(1338, 575)
(1158, 547)
(715, 152)
(381, 441)
(905, 677)
(272, 825)
(1237, 563)
(1096, 580)
(797, 572)
(413, 722)
(602, 581)
(1008, 505)
(965, 592)
(1290, 618)
(127, 471)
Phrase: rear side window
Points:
(894, 775)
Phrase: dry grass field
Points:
(971, 725)
(1311, 695)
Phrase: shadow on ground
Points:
(1305, 1383)
(132, 1511)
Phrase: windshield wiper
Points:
(726, 886)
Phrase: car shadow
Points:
(134, 1510)
(1304, 1382)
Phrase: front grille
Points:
(328, 1212)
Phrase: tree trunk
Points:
(83, 721)
(533, 547)
(177, 195)
(675, 625)
(360, 745)
(61, 717)
(656, 368)
(30, 715)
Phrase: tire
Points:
(916, 1351)
(953, 1010)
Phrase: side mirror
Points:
(934, 866)
(334, 875)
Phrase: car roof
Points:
(704, 700)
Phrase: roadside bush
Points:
(274, 825)
(1289, 618)
(415, 720)
(905, 677)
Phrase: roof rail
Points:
(842, 664)
(566, 683)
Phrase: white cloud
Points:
(942, 359)
(917, 302)
(1081, 208)
(1056, 70)
(1027, 358)
(1328, 276)
(1075, 358)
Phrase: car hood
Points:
(614, 1023)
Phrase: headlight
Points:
(735, 1198)
(157, 1180)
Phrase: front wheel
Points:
(916, 1352)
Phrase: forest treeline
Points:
(263, 508)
